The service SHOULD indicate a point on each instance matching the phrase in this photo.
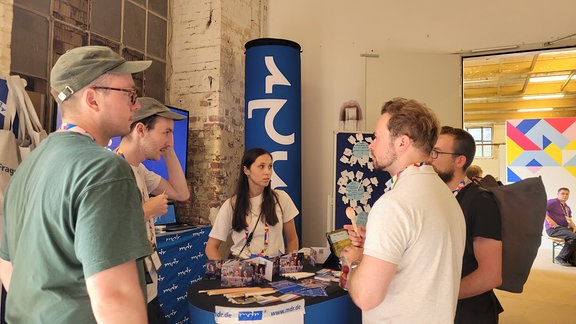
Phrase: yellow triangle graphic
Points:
(571, 145)
(513, 150)
(554, 152)
(572, 170)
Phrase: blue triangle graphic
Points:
(527, 125)
(512, 177)
(533, 162)
(545, 142)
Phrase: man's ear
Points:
(90, 99)
(403, 142)
(140, 128)
(460, 161)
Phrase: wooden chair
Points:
(556, 242)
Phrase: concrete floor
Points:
(549, 294)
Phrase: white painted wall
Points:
(334, 72)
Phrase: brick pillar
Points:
(206, 76)
(6, 15)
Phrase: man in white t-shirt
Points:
(150, 138)
(407, 268)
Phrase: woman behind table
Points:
(255, 208)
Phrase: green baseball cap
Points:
(78, 67)
(150, 107)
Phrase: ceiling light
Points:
(544, 96)
(550, 78)
(534, 109)
(552, 52)
(491, 49)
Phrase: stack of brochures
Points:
(328, 275)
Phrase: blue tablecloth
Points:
(183, 262)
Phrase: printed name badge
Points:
(156, 260)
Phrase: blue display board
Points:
(357, 183)
(183, 262)
(273, 111)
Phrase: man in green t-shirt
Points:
(74, 237)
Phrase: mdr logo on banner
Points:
(287, 313)
(273, 111)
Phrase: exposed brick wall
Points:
(206, 76)
(6, 13)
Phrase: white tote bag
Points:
(20, 133)
(30, 131)
(9, 151)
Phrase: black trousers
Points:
(480, 309)
(155, 312)
(569, 250)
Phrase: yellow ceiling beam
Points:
(498, 118)
(520, 104)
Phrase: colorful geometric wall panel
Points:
(542, 147)
(543, 142)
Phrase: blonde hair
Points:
(474, 172)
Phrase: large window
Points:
(483, 138)
(44, 30)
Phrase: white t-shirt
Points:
(419, 226)
(223, 227)
(147, 181)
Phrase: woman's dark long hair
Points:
(241, 204)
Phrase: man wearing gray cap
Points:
(74, 241)
(150, 138)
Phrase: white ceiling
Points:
(451, 26)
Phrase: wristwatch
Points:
(354, 264)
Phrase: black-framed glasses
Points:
(435, 153)
(132, 93)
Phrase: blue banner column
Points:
(273, 111)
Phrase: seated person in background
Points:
(256, 215)
(474, 172)
(559, 224)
